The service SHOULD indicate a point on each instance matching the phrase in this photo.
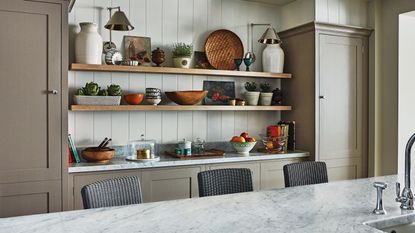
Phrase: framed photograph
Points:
(201, 61)
(219, 92)
(138, 48)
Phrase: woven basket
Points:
(222, 47)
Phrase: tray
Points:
(208, 154)
(222, 47)
(131, 159)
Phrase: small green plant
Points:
(80, 91)
(114, 90)
(91, 89)
(182, 50)
(265, 87)
(250, 86)
(103, 92)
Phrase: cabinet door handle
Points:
(322, 97)
(55, 92)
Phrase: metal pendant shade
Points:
(119, 22)
(270, 36)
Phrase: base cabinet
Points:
(171, 183)
(272, 175)
(18, 199)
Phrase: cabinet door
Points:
(272, 175)
(170, 183)
(342, 114)
(78, 181)
(29, 68)
(30, 198)
(254, 167)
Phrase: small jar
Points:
(199, 146)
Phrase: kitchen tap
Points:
(406, 198)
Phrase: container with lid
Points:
(141, 149)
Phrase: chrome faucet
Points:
(406, 198)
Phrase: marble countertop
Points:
(340, 207)
(165, 161)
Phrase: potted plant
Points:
(92, 94)
(266, 94)
(182, 55)
(251, 94)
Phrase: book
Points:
(73, 149)
(69, 155)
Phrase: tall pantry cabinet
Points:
(330, 94)
(33, 98)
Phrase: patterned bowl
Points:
(243, 148)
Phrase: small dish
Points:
(134, 99)
(154, 101)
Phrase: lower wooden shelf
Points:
(94, 108)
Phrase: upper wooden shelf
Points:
(172, 70)
(91, 108)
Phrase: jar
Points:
(199, 146)
(141, 149)
(88, 44)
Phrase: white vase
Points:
(88, 44)
(273, 59)
(252, 98)
(265, 98)
(182, 62)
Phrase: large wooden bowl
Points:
(98, 155)
(186, 97)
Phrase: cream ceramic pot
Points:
(182, 62)
(88, 44)
(273, 59)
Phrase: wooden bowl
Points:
(186, 97)
(98, 155)
(134, 99)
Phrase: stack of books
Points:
(73, 156)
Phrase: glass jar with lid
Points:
(141, 149)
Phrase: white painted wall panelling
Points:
(167, 22)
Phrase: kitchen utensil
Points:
(243, 148)
(186, 97)
(222, 47)
(99, 155)
(134, 99)
(106, 143)
(103, 142)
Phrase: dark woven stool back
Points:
(305, 173)
(112, 192)
(224, 181)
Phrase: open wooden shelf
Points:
(172, 70)
(93, 108)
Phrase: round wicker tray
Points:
(222, 47)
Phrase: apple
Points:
(238, 139)
(244, 135)
(250, 139)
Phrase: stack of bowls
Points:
(153, 95)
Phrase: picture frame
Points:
(138, 48)
(200, 60)
(219, 92)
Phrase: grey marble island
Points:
(334, 207)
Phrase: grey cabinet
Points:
(329, 91)
(272, 175)
(33, 64)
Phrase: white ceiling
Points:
(273, 2)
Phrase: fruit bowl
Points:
(186, 97)
(243, 148)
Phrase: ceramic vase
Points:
(265, 98)
(273, 59)
(252, 98)
(88, 44)
(182, 62)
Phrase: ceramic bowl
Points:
(98, 155)
(153, 90)
(243, 148)
(134, 99)
(153, 101)
(186, 97)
